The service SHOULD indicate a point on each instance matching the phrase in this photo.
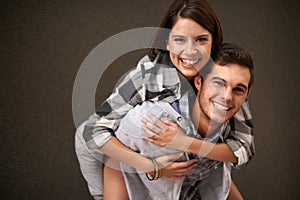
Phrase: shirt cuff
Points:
(99, 141)
(240, 152)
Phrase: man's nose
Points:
(228, 94)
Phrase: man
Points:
(220, 95)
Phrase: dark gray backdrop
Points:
(43, 44)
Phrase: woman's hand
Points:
(164, 132)
(171, 169)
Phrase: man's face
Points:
(223, 92)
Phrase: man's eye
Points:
(239, 90)
(218, 83)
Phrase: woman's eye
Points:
(179, 40)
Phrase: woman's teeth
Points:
(190, 61)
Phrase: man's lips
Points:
(220, 106)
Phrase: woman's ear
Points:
(197, 81)
(168, 48)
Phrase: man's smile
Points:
(221, 107)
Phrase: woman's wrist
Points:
(183, 142)
(156, 173)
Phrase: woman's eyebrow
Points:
(178, 35)
(203, 35)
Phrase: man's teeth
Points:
(220, 107)
(189, 61)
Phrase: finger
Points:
(156, 121)
(149, 139)
(150, 126)
(177, 176)
(173, 176)
(183, 165)
(149, 132)
(188, 163)
(168, 122)
(186, 169)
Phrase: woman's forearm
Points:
(116, 150)
(214, 151)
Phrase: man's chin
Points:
(217, 122)
(219, 119)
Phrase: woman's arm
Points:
(115, 149)
(172, 136)
(240, 138)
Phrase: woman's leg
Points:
(234, 193)
(114, 184)
(91, 166)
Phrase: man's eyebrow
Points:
(242, 85)
(218, 78)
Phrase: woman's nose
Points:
(190, 47)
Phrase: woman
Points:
(149, 81)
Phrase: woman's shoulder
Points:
(155, 66)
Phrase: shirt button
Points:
(179, 118)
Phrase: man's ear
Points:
(249, 90)
(197, 81)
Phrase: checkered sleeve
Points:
(130, 91)
(241, 136)
(148, 81)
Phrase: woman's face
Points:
(190, 46)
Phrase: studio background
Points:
(43, 44)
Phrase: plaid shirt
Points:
(152, 80)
